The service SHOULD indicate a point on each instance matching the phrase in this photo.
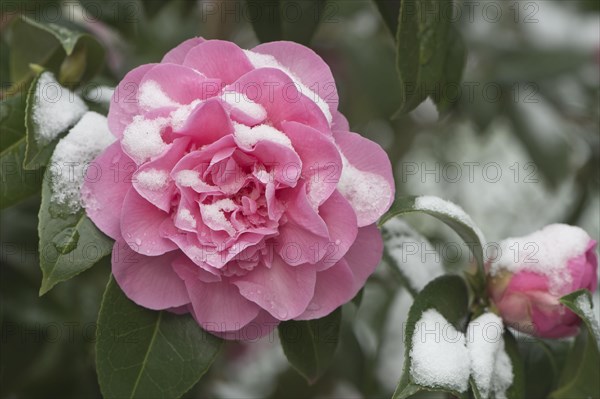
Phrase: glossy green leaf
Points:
(581, 373)
(449, 296)
(580, 302)
(390, 11)
(309, 345)
(296, 20)
(73, 56)
(69, 242)
(451, 215)
(430, 54)
(454, 64)
(142, 353)
(517, 389)
(16, 183)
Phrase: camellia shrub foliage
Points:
(200, 197)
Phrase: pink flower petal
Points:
(335, 286)
(149, 281)
(218, 59)
(108, 179)
(341, 224)
(177, 54)
(140, 226)
(307, 65)
(320, 169)
(147, 180)
(260, 326)
(207, 123)
(364, 255)
(283, 291)
(368, 184)
(180, 84)
(279, 95)
(124, 104)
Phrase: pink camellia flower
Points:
(531, 273)
(235, 190)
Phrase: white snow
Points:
(267, 61)
(241, 102)
(55, 108)
(585, 305)
(484, 340)
(439, 356)
(186, 216)
(100, 94)
(142, 138)
(413, 254)
(213, 215)
(248, 136)
(503, 373)
(188, 178)
(182, 113)
(152, 96)
(88, 138)
(367, 192)
(545, 252)
(439, 205)
(152, 179)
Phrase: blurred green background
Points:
(520, 149)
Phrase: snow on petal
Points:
(142, 138)
(88, 138)
(152, 96)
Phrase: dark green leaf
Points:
(69, 242)
(517, 389)
(73, 56)
(285, 19)
(430, 53)
(580, 302)
(146, 354)
(390, 11)
(449, 296)
(310, 345)
(543, 361)
(124, 15)
(451, 215)
(17, 183)
(581, 374)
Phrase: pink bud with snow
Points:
(530, 274)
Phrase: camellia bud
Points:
(530, 274)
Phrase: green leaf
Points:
(39, 150)
(309, 345)
(430, 54)
(454, 64)
(517, 389)
(73, 56)
(390, 11)
(543, 361)
(581, 373)
(580, 302)
(124, 15)
(16, 183)
(69, 242)
(142, 353)
(450, 214)
(296, 20)
(449, 296)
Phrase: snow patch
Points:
(55, 108)
(88, 138)
(242, 103)
(367, 192)
(142, 138)
(268, 61)
(213, 215)
(545, 252)
(439, 356)
(152, 179)
(586, 307)
(152, 96)
(186, 216)
(248, 136)
(488, 358)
